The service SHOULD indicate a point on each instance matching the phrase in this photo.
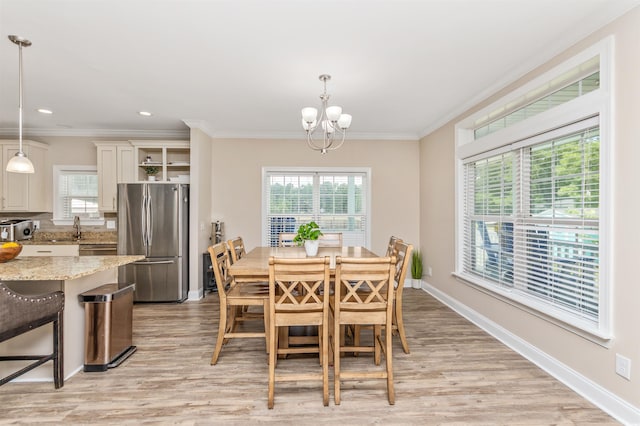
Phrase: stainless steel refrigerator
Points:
(153, 220)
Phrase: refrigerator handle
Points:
(149, 220)
(144, 219)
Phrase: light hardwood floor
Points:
(455, 373)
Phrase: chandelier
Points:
(20, 163)
(332, 121)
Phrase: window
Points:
(335, 199)
(531, 198)
(76, 194)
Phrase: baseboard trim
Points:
(610, 403)
(195, 294)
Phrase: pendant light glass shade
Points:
(20, 163)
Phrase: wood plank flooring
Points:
(455, 374)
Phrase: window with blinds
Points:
(531, 221)
(76, 194)
(336, 200)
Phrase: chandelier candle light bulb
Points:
(333, 122)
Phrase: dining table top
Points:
(256, 262)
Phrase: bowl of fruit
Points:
(9, 250)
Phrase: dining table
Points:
(254, 265)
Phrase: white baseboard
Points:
(195, 294)
(610, 403)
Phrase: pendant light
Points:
(20, 163)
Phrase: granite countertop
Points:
(59, 268)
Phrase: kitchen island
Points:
(71, 274)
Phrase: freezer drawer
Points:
(157, 279)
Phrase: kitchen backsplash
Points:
(47, 225)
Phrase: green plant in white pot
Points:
(308, 234)
(151, 172)
(416, 268)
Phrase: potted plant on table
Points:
(308, 234)
(151, 172)
(416, 269)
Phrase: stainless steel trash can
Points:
(108, 323)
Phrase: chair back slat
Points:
(391, 247)
(330, 239)
(298, 284)
(236, 249)
(364, 283)
(221, 264)
(285, 239)
(403, 254)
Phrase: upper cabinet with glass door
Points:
(162, 161)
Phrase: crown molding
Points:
(200, 125)
(194, 124)
(301, 135)
(99, 133)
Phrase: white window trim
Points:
(365, 170)
(599, 102)
(57, 169)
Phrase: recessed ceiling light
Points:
(145, 113)
(44, 111)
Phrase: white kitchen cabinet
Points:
(115, 161)
(171, 157)
(26, 192)
(50, 250)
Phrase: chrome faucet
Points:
(76, 226)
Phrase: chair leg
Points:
(221, 332)
(388, 356)
(377, 332)
(265, 311)
(324, 338)
(58, 360)
(273, 355)
(337, 344)
(397, 311)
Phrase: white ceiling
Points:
(244, 68)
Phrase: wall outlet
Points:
(36, 224)
(111, 224)
(429, 271)
(623, 366)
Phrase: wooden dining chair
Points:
(299, 296)
(236, 249)
(330, 239)
(402, 251)
(403, 254)
(363, 295)
(392, 245)
(233, 297)
(285, 239)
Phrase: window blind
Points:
(335, 200)
(531, 221)
(78, 194)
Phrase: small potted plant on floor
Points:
(308, 234)
(151, 172)
(416, 269)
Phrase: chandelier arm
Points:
(340, 143)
